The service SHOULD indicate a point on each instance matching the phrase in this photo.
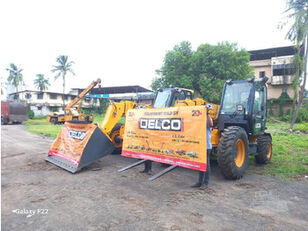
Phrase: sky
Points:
(124, 42)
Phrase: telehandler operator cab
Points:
(168, 96)
(244, 104)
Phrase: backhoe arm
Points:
(82, 94)
(114, 113)
(79, 106)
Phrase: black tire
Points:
(54, 120)
(264, 149)
(114, 135)
(228, 152)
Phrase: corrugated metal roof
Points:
(271, 52)
(116, 90)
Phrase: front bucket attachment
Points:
(78, 145)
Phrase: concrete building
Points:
(276, 64)
(42, 103)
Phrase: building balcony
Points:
(282, 79)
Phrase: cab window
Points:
(259, 99)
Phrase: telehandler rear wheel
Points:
(233, 152)
(116, 140)
(264, 149)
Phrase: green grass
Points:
(290, 150)
(303, 127)
(41, 126)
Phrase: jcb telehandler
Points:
(241, 125)
(70, 112)
(239, 128)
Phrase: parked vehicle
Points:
(15, 112)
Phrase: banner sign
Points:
(71, 141)
(175, 136)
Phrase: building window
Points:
(94, 100)
(40, 95)
(261, 74)
(53, 96)
(284, 90)
(73, 97)
(28, 96)
(16, 96)
(285, 69)
(65, 97)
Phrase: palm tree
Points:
(3, 87)
(298, 33)
(15, 76)
(62, 67)
(41, 82)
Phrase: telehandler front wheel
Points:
(116, 140)
(232, 152)
(264, 149)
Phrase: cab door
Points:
(259, 110)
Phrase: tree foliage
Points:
(62, 68)
(41, 82)
(298, 11)
(15, 75)
(204, 70)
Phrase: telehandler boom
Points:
(70, 113)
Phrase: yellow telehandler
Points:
(71, 113)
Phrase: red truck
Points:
(15, 112)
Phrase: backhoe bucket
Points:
(78, 145)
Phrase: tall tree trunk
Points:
(63, 75)
(302, 88)
(16, 92)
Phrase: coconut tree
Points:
(3, 86)
(15, 75)
(298, 12)
(41, 82)
(62, 68)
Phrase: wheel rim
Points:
(240, 157)
(114, 135)
(269, 153)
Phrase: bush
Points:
(101, 109)
(39, 117)
(30, 112)
(54, 109)
(286, 118)
(302, 115)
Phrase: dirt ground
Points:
(37, 195)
